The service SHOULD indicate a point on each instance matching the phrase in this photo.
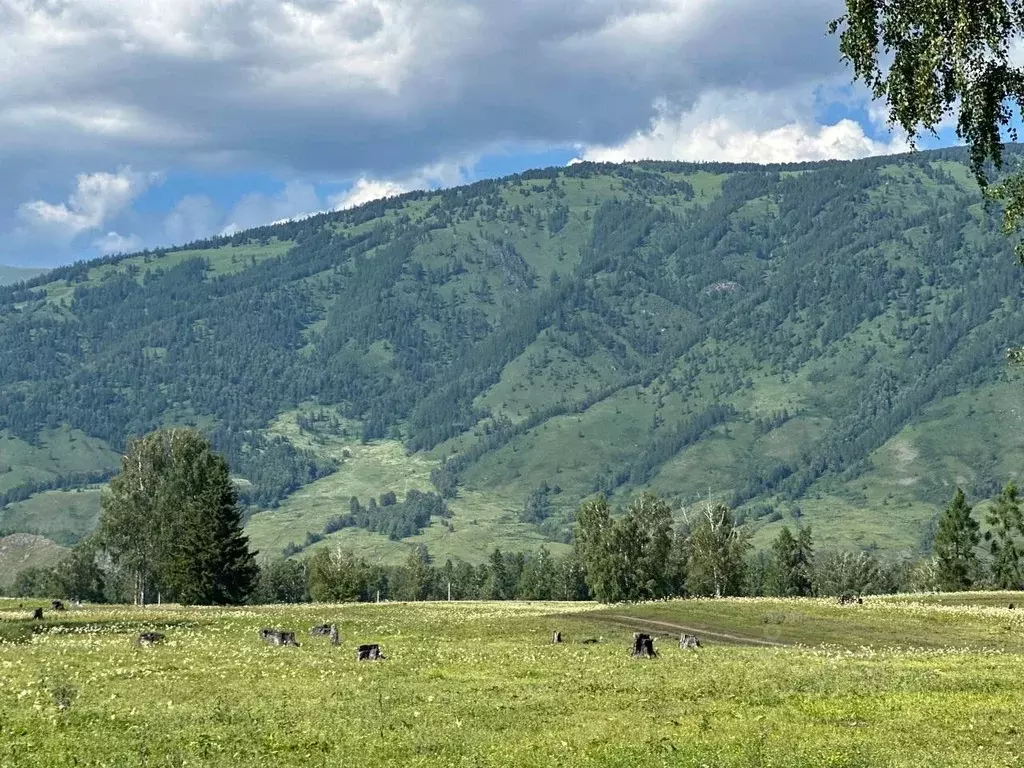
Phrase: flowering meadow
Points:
(900, 681)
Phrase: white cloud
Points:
(745, 127)
(192, 218)
(381, 87)
(364, 191)
(98, 197)
(297, 198)
(112, 242)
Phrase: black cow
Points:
(57, 605)
(37, 614)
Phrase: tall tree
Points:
(717, 546)
(649, 522)
(336, 576)
(133, 524)
(936, 59)
(282, 580)
(846, 573)
(417, 578)
(956, 563)
(789, 572)
(1004, 520)
(628, 558)
(594, 529)
(172, 517)
(540, 577)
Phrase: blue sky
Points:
(128, 123)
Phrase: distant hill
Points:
(9, 275)
(22, 550)
(818, 344)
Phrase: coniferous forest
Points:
(819, 344)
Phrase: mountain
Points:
(818, 343)
(9, 275)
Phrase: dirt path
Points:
(638, 624)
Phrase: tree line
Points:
(171, 529)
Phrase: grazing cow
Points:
(278, 637)
(1011, 606)
(37, 614)
(589, 641)
(57, 605)
(689, 641)
(369, 652)
(148, 638)
(643, 646)
(556, 637)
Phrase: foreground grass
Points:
(480, 684)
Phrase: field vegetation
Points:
(907, 681)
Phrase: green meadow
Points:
(904, 681)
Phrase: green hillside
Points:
(819, 342)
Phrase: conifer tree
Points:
(172, 518)
(1004, 519)
(789, 574)
(955, 540)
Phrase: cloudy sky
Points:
(130, 123)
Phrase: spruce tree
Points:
(1004, 519)
(955, 540)
(789, 571)
(172, 518)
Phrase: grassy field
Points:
(899, 682)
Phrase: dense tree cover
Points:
(874, 281)
(171, 520)
(395, 519)
(632, 554)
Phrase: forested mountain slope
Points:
(818, 341)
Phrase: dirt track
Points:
(648, 624)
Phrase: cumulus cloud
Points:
(297, 199)
(98, 197)
(745, 127)
(388, 85)
(113, 242)
(378, 90)
(192, 218)
(365, 190)
(432, 176)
